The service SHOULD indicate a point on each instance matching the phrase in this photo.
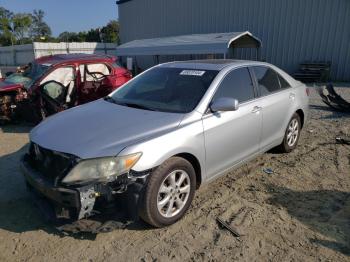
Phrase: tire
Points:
(157, 192)
(288, 145)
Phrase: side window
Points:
(283, 83)
(267, 78)
(236, 84)
(63, 75)
(100, 69)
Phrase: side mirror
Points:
(224, 104)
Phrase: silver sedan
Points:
(162, 135)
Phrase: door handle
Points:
(292, 96)
(256, 109)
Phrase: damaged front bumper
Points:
(67, 204)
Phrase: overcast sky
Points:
(68, 15)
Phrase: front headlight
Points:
(102, 169)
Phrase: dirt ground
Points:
(301, 212)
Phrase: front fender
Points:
(186, 139)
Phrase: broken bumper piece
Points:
(62, 205)
(58, 202)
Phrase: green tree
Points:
(72, 37)
(64, 37)
(81, 37)
(6, 35)
(21, 23)
(93, 35)
(110, 32)
(39, 29)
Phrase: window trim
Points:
(109, 66)
(279, 80)
(54, 68)
(257, 84)
(223, 78)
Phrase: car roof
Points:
(211, 64)
(73, 58)
(220, 64)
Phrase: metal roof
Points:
(217, 43)
(73, 57)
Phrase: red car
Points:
(52, 84)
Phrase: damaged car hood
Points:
(101, 129)
(7, 86)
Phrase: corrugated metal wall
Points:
(16, 55)
(23, 54)
(43, 49)
(292, 31)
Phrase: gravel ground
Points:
(301, 212)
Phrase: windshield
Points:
(30, 74)
(166, 89)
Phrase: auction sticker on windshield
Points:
(192, 73)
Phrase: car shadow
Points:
(324, 211)
(18, 212)
(17, 129)
(335, 114)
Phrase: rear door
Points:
(232, 136)
(276, 100)
(95, 82)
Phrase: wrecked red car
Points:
(54, 83)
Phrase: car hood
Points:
(101, 129)
(7, 86)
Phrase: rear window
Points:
(284, 84)
(268, 80)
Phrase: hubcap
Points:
(293, 132)
(173, 193)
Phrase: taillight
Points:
(307, 91)
(127, 74)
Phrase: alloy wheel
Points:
(173, 193)
(293, 132)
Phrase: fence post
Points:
(14, 53)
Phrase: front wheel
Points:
(292, 135)
(168, 193)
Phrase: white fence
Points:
(23, 54)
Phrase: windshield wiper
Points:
(135, 105)
(128, 104)
(110, 99)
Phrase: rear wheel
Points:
(169, 192)
(292, 135)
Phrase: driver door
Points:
(233, 136)
(52, 97)
(57, 91)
